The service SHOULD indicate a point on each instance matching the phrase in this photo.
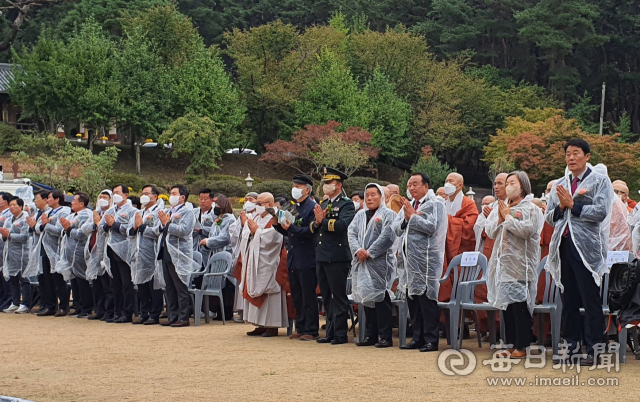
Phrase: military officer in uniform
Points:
(301, 261)
(333, 256)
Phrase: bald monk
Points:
(441, 193)
(262, 286)
(462, 215)
(478, 228)
(622, 191)
(387, 192)
(393, 189)
(480, 293)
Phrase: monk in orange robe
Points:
(480, 294)
(462, 213)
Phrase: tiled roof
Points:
(6, 76)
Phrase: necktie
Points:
(574, 187)
(417, 205)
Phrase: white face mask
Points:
(328, 188)
(440, 199)
(260, 209)
(513, 192)
(356, 204)
(174, 200)
(449, 189)
(249, 206)
(409, 197)
(102, 203)
(144, 200)
(117, 199)
(619, 196)
(296, 193)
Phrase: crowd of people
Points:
(382, 244)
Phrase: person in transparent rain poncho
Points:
(94, 249)
(512, 276)
(72, 263)
(619, 232)
(5, 287)
(53, 284)
(577, 207)
(175, 248)
(15, 256)
(373, 265)
(422, 224)
(26, 194)
(114, 225)
(220, 240)
(146, 270)
(34, 267)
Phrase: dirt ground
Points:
(68, 359)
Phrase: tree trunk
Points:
(137, 145)
(89, 140)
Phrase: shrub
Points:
(129, 179)
(359, 183)
(230, 188)
(274, 187)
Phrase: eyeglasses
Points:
(619, 192)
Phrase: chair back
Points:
(220, 264)
(465, 274)
(551, 291)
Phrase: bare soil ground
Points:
(68, 359)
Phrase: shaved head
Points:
(456, 180)
(550, 186)
(266, 198)
(387, 192)
(393, 189)
(488, 200)
(441, 193)
(500, 186)
(537, 202)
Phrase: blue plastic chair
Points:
(552, 305)
(462, 276)
(213, 280)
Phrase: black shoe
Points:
(168, 323)
(152, 321)
(61, 313)
(324, 340)
(83, 315)
(411, 345)
(140, 321)
(106, 318)
(46, 313)
(589, 360)
(429, 347)
(258, 331)
(384, 343)
(112, 319)
(95, 317)
(74, 313)
(366, 342)
(179, 324)
(339, 341)
(123, 319)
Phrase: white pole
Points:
(604, 85)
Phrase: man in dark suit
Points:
(577, 206)
(333, 255)
(301, 261)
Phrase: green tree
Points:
(583, 111)
(195, 137)
(432, 167)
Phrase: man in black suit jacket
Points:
(301, 260)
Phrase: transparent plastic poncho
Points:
(589, 232)
(421, 253)
(15, 255)
(180, 241)
(117, 239)
(34, 267)
(72, 262)
(372, 278)
(512, 274)
(95, 256)
(52, 237)
(145, 265)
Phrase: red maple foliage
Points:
(299, 153)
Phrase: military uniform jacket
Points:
(332, 242)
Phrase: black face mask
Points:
(217, 211)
